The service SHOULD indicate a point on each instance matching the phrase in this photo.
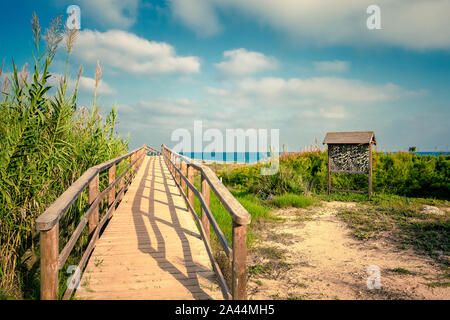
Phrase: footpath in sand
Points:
(311, 255)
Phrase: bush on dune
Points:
(400, 173)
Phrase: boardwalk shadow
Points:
(189, 272)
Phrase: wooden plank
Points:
(355, 137)
(126, 248)
(353, 191)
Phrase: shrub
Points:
(400, 173)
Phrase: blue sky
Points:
(303, 67)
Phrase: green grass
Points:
(403, 221)
(439, 285)
(291, 200)
(402, 271)
(401, 173)
(272, 253)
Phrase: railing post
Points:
(133, 157)
(93, 194)
(112, 192)
(239, 281)
(121, 186)
(49, 263)
(205, 195)
(177, 175)
(183, 171)
(190, 176)
(180, 179)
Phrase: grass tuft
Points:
(291, 200)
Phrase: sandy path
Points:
(316, 258)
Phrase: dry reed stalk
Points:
(54, 36)
(23, 77)
(98, 75)
(36, 27)
(71, 38)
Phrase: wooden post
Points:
(93, 194)
(49, 263)
(190, 176)
(239, 281)
(370, 169)
(112, 192)
(205, 195)
(177, 175)
(133, 157)
(172, 165)
(183, 171)
(121, 186)
(329, 170)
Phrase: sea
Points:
(254, 157)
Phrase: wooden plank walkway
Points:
(151, 248)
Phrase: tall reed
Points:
(46, 143)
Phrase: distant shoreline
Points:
(255, 157)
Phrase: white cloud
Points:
(327, 88)
(128, 52)
(332, 66)
(198, 15)
(331, 112)
(416, 24)
(110, 13)
(279, 101)
(168, 107)
(239, 62)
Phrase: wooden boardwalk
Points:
(151, 248)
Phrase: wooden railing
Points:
(52, 260)
(178, 165)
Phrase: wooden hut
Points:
(350, 152)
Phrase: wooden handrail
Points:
(53, 214)
(48, 223)
(240, 219)
(223, 241)
(234, 208)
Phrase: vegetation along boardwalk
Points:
(151, 249)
